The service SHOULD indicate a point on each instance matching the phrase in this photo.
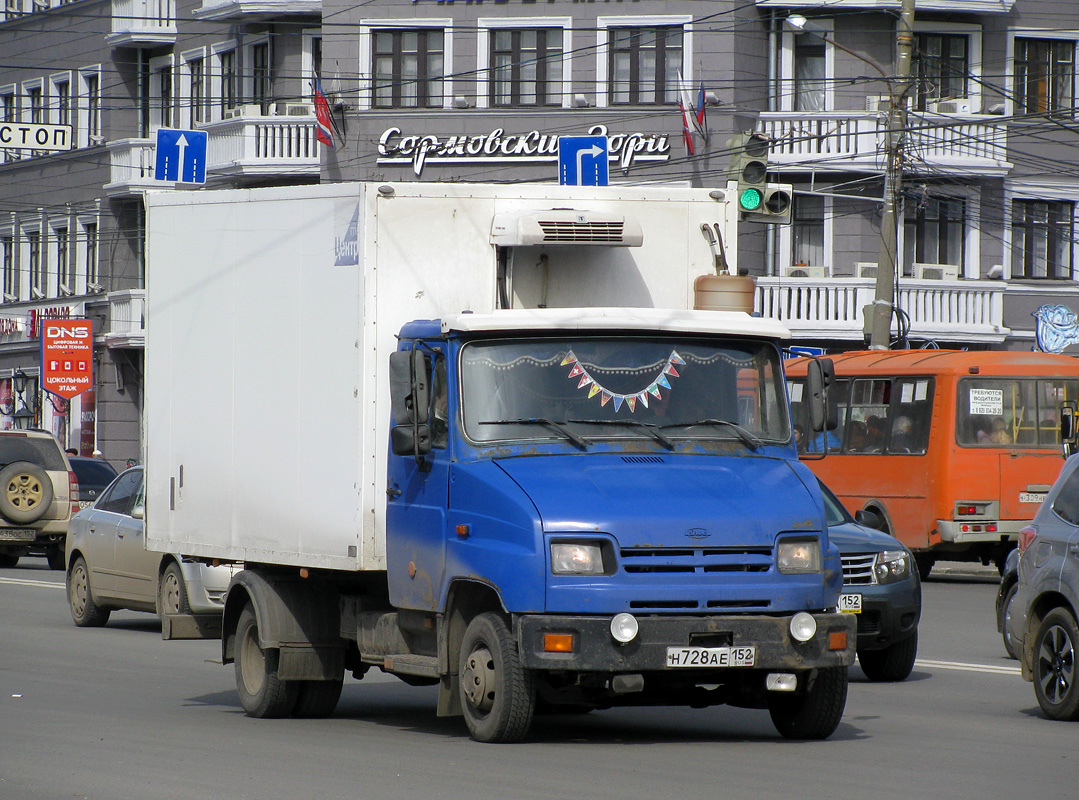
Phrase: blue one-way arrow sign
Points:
(181, 156)
(582, 160)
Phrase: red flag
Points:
(323, 123)
(687, 133)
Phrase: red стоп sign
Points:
(67, 356)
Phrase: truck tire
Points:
(892, 663)
(317, 699)
(498, 695)
(172, 592)
(1055, 671)
(25, 492)
(263, 695)
(84, 611)
(812, 713)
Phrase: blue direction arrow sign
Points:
(582, 160)
(181, 156)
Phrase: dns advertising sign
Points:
(67, 356)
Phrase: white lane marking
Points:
(957, 665)
(26, 582)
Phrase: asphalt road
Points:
(118, 714)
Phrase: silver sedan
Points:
(109, 567)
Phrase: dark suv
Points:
(38, 495)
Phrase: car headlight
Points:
(575, 558)
(797, 556)
(891, 566)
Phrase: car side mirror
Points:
(820, 374)
(138, 512)
(1068, 438)
(867, 518)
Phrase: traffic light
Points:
(749, 167)
(774, 204)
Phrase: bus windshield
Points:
(1012, 412)
(623, 387)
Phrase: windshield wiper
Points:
(647, 427)
(548, 423)
(750, 441)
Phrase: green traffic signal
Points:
(750, 199)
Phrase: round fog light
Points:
(624, 628)
(803, 626)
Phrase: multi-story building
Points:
(480, 91)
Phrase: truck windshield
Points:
(592, 388)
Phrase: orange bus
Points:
(953, 450)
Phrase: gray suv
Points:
(1042, 617)
(38, 494)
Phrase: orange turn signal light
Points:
(558, 642)
(837, 640)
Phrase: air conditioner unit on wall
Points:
(936, 272)
(805, 272)
(865, 269)
(875, 103)
(246, 110)
(295, 109)
(958, 105)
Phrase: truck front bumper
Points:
(596, 650)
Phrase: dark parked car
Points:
(1043, 620)
(881, 586)
(94, 474)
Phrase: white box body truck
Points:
(471, 435)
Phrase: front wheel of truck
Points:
(498, 695)
(813, 712)
(263, 694)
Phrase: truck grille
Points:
(692, 563)
(858, 569)
(697, 560)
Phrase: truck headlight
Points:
(797, 556)
(576, 558)
(892, 566)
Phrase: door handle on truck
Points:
(393, 492)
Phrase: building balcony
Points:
(127, 320)
(948, 6)
(142, 23)
(940, 144)
(243, 147)
(251, 10)
(831, 308)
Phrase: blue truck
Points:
(537, 509)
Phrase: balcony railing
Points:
(127, 319)
(261, 9)
(131, 164)
(831, 308)
(145, 23)
(845, 140)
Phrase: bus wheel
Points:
(925, 562)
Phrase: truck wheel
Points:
(893, 663)
(25, 492)
(84, 611)
(1055, 671)
(812, 713)
(1005, 614)
(55, 557)
(498, 695)
(317, 699)
(172, 592)
(263, 695)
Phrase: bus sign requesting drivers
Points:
(67, 356)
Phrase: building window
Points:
(91, 87)
(526, 67)
(196, 68)
(644, 65)
(408, 68)
(35, 104)
(89, 235)
(11, 276)
(62, 95)
(940, 67)
(935, 232)
(161, 96)
(226, 64)
(33, 262)
(810, 73)
(1044, 76)
(1042, 233)
(64, 278)
(260, 76)
(8, 113)
(807, 223)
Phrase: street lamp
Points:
(24, 414)
(887, 267)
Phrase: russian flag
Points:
(702, 128)
(323, 122)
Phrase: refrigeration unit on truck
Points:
(354, 390)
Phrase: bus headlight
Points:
(576, 558)
(892, 566)
(797, 556)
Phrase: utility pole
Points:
(888, 264)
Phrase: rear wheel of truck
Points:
(813, 712)
(893, 663)
(498, 695)
(263, 694)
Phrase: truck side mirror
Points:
(408, 440)
(410, 400)
(1068, 437)
(820, 374)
